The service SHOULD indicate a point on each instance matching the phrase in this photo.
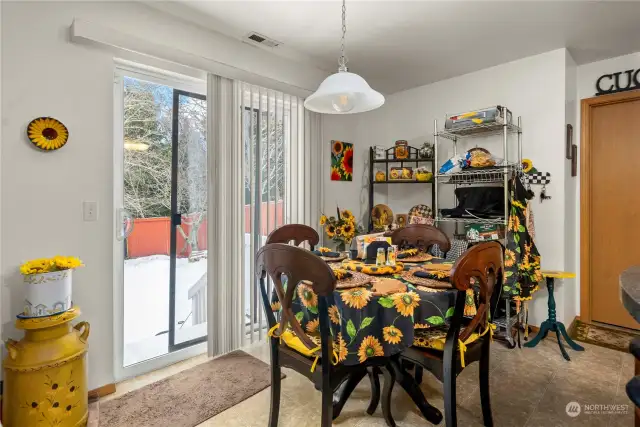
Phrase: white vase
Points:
(47, 294)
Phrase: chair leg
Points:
(327, 403)
(450, 390)
(276, 378)
(485, 397)
(375, 390)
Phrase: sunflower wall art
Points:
(47, 133)
(341, 161)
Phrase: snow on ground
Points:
(146, 303)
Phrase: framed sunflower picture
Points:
(341, 161)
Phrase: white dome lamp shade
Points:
(344, 92)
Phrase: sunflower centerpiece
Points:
(341, 228)
(48, 285)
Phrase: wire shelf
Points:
(478, 176)
(477, 130)
(499, 221)
(501, 322)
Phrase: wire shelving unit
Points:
(499, 174)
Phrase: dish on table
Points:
(434, 282)
(372, 269)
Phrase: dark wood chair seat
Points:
(484, 264)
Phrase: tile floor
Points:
(529, 387)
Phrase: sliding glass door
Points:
(160, 195)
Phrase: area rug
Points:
(190, 397)
(602, 336)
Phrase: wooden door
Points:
(614, 199)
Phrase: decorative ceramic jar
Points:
(426, 151)
(45, 381)
(401, 149)
(47, 294)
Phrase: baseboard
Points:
(571, 330)
(105, 390)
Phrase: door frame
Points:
(188, 84)
(586, 106)
(176, 219)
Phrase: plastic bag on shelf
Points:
(455, 164)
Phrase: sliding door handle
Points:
(176, 219)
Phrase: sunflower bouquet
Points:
(49, 265)
(341, 228)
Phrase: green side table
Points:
(552, 324)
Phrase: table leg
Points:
(552, 324)
(341, 395)
(542, 334)
(375, 389)
(389, 382)
(408, 383)
(562, 350)
(568, 339)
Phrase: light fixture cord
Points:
(343, 59)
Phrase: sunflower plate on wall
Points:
(47, 133)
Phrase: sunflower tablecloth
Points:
(365, 325)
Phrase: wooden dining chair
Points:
(296, 233)
(280, 260)
(442, 350)
(420, 236)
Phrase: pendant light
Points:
(344, 92)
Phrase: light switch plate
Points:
(90, 211)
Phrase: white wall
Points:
(345, 194)
(44, 74)
(534, 88)
(571, 199)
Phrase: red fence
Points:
(151, 236)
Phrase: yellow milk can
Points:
(45, 381)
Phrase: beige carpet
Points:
(191, 396)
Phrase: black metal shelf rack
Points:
(412, 160)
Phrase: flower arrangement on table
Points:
(341, 229)
(48, 285)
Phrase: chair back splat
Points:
(297, 265)
(420, 236)
(483, 263)
(296, 233)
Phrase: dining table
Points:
(367, 325)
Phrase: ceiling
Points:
(397, 45)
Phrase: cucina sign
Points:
(618, 82)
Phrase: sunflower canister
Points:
(45, 381)
(47, 284)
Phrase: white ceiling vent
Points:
(257, 38)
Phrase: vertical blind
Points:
(276, 134)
